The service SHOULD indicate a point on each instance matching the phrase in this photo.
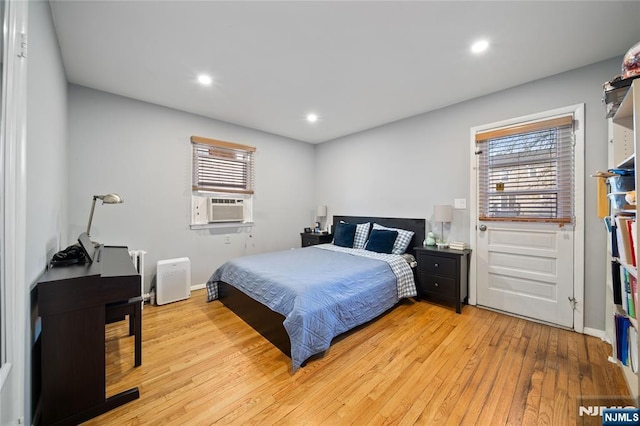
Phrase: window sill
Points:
(221, 225)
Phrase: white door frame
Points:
(578, 248)
(13, 369)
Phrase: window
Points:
(222, 183)
(526, 172)
(220, 166)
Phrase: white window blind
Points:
(526, 172)
(220, 166)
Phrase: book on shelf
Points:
(634, 240)
(629, 305)
(622, 326)
(625, 290)
(623, 239)
(633, 349)
(616, 282)
(630, 227)
(614, 240)
(633, 300)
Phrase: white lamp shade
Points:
(111, 198)
(321, 211)
(442, 213)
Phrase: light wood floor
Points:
(418, 364)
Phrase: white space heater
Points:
(137, 257)
(173, 280)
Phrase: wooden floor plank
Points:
(498, 405)
(420, 363)
(456, 375)
(549, 373)
(476, 391)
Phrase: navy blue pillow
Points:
(381, 240)
(344, 234)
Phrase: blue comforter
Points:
(321, 293)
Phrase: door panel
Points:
(533, 265)
(526, 269)
(515, 240)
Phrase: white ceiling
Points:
(356, 64)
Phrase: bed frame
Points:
(269, 323)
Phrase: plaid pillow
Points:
(362, 233)
(402, 241)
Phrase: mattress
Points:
(322, 291)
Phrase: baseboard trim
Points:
(198, 286)
(601, 334)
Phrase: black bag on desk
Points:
(69, 256)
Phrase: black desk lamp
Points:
(106, 199)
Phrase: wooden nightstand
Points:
(311, 239)
(443, 275)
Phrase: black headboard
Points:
(415, 225)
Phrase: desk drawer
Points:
(443, 266)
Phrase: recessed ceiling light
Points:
(312, 118)
(205, 80)
(479, 46)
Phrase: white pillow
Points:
(402, 240)
(362, 233)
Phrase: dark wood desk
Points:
(71, 302)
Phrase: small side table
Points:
(311, 239)
(443, 275)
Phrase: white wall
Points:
(46, 142)
(143, 152)
(406, 167)
(46, 153)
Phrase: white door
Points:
(526, 269)
(528, 216)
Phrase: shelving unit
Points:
(624, 144)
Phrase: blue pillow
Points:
(403, 240)
(344, 234)
(381, 240)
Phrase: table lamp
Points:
(442, 214)
(321, 211)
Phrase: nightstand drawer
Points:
(438, 265)
(310, 239)
(445, 287)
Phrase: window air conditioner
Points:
(225, 210)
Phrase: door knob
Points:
(483, 227)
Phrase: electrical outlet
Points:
(227, 239)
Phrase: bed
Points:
(301, 299)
